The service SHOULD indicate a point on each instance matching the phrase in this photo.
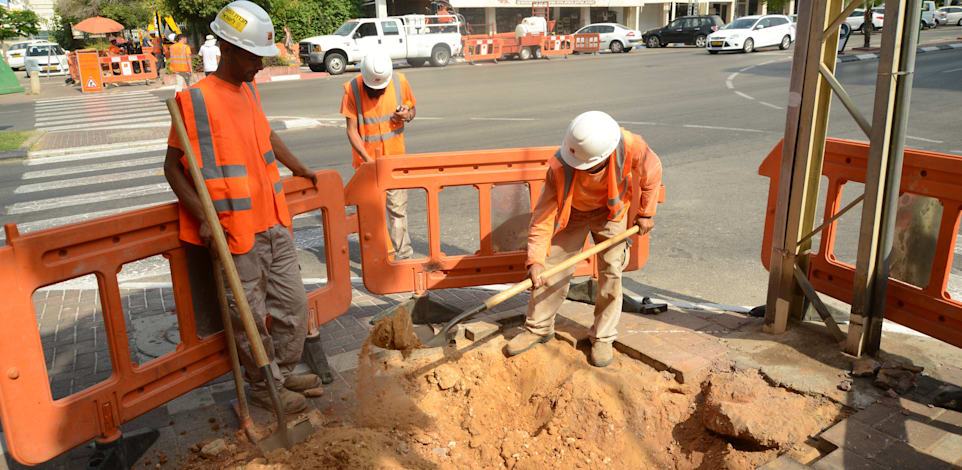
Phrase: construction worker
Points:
(238, 154)
(597, 178)
(210, 53)
(180, 61)
(157, 49)
(377, 104)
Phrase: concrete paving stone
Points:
(193, 400)
(917, 408)
(784, 462)
(949, 420)
(858, 438)
(874, 414)
(903, 456)
(345, 361)
(841, 459)
(948, 449)
(661, 354)
(910, 429)
(479, 330)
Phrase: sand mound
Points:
(395, 332)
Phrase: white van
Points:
(928, 15)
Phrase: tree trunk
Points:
(867, 25)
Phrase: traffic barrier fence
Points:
(588, 42)
(557, 45)
(935, 179)
(38, 427)
(482, 49)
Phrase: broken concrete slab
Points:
(896, 378)
(864, 367)
(477, 331)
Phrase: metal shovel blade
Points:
(299, 431)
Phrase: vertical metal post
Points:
(883, 175)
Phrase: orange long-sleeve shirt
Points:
(590, 192)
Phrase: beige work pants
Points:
(546, 300)
(397, 223)
(271, 278)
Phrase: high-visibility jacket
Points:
(179, 57)
(237, 161)
(633, 166)
(381, 134)
(155, 46)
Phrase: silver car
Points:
(613, 36)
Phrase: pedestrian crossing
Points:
(130, 109)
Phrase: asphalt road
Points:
(711, 119)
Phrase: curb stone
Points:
(920, 50)
(24, 150)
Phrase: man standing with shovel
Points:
(602, 178)
(237, 153)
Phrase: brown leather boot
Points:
(291, 401)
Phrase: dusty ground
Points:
(470, 407)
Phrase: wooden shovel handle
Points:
(220, 241)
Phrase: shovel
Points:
(441, 337)
(223, 253)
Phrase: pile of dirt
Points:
(471, 407)
(395, 332)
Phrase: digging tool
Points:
(224, 254)
(441, 337)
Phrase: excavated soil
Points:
(395, 332)
(472, 407)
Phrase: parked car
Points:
(613, 36)
(46, 58)
(752, 32)
(687, 29)
(17, 52)
(857, 19)
(944, 15)
(928, 14)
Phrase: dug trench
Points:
(469, 406)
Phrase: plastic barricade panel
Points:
(483, 169)
(557, 45)
(928, 309)
(476, 50)
(586, 43)
(128, 68)
(38, 428)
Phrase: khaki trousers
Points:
(546, 300)
(397, 223)
(271, 278)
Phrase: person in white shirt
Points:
(211, 54)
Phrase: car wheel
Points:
(786, 42)
(616, 47)
(440, 56)
(335, 63)
(536, 52)
(525, 53)
(960, 22)
(654, 42)
(316, 67)
(701, 40)
(416, 62)
(749, 45)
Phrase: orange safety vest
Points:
(620, 161)
(379, 132)
(155, 46)
(178, 58)
(229, 171)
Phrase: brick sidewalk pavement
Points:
(72, 139)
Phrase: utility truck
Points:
(414, 38)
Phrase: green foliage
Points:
(130, 14)
(276, 61)
(15, 24)
(63, 33)
(307, 18)
(12, 140)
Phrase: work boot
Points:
(601, 354)
(292, 402)
(525, 341)
(301, 382)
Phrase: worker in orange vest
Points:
(377, 104)
(238, 154)
(602, 178)
(157, 49)
(180, 60)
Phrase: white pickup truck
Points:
(416, 38)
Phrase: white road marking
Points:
(88, 180)
(87, 125)
(148, 146)
(501, 119)
(952, 70)
(27, 207)
(131, 102)
(640, 123)
(928, 49)
(720, 128)
(82, 98)
(56, 116)
(92, 167)
(865, 56)
(773, 106)
(110, 117)
(924, 139)
(747, 97)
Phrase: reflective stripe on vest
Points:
(205, 140)
(361, 120)
(178, 55)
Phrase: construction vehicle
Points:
(529, 36)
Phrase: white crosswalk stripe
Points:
(98, 112)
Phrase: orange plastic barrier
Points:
(588, 42)
(557, 45)
(36, 427)
(482, 49)
(928, 309)
(128, 68)
(433, 172)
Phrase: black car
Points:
(687, 29)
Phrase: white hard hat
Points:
(376, 69)
(247, 26)
(210, 37)
(591, 137)
(171, 37)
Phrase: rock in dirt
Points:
(447, 376)
(864, 367)
(900, 379)
(214, 448)
(845, 386)
(395, 332)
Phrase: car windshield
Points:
(18, 46)
(741, 23)
(346, 29)
(36, 51)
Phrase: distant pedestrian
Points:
(211, 55)
(157, 49)
(180, 60)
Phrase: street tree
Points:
(16, 24)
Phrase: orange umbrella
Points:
(98, 25)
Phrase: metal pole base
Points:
(124, 452)
(316, 359)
